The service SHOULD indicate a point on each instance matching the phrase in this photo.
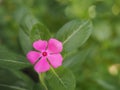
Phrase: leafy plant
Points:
(88, 29)
(72, 35)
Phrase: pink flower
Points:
(48, 53)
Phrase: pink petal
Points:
(54, 46)
(42, 66)
(55, 60)
(40, 45)
(33, 56)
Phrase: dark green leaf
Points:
(38, 86)
(39, 31)
(12, 60)
(25, 41)
(9, 81)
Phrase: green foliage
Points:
(93, 65)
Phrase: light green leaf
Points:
(105, 84)
(12, 60)
(74, 34)
(60, 79)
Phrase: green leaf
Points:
(74, 34)
(105, 84)
(12, 60)
(60, 79)
(9, 81)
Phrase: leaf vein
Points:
(74, 32)
(13, 61)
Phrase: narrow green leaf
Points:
(105, 84)
(12, 60)
(74, 34)
(60, 79)
(9, 81)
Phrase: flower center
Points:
(44, 53)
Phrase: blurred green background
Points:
(99, 70)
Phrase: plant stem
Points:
(41, 78)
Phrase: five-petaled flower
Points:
(47, 54)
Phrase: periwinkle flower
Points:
(47, 54)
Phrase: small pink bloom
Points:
(48, 53)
